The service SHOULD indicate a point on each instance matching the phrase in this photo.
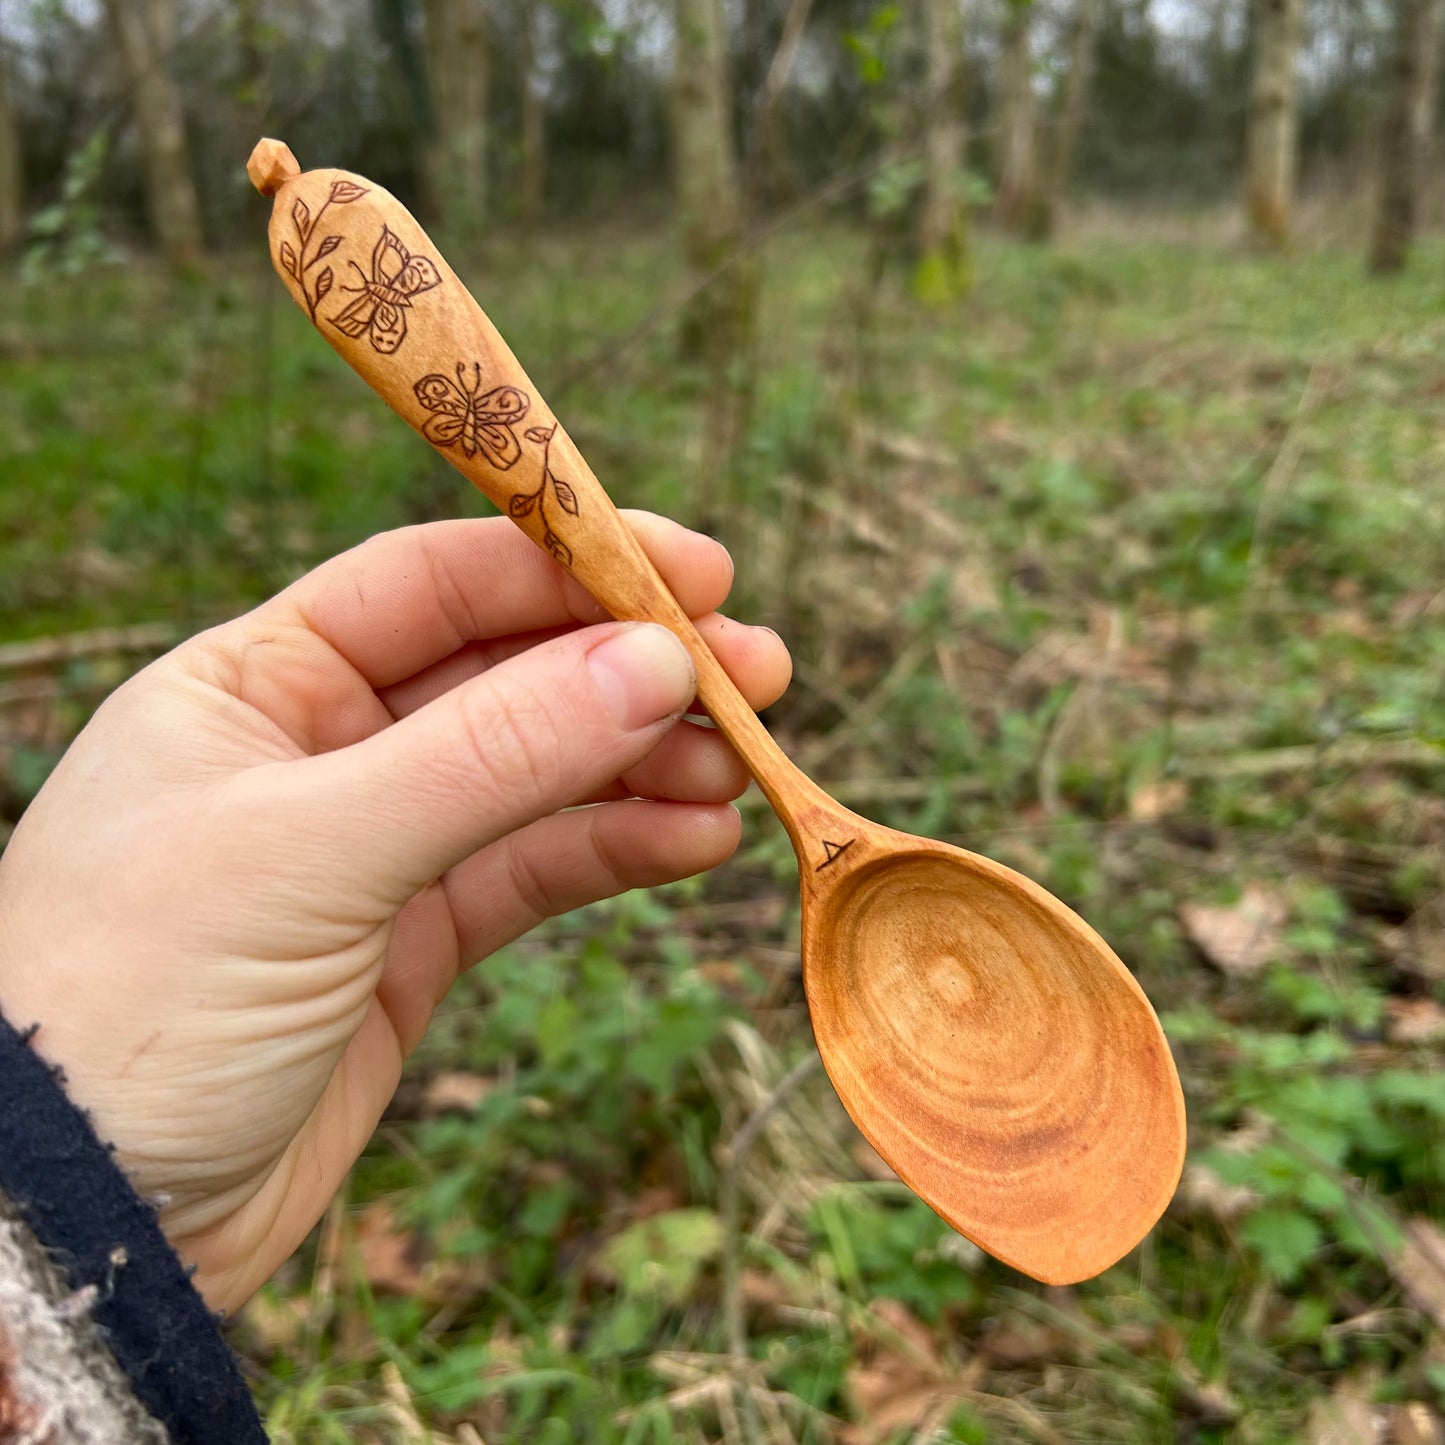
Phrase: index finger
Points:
(406, 599)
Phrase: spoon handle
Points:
(373, 284)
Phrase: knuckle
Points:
(526, 882)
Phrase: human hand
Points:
(235, 904)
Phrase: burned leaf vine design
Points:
(296, 263)
(524, 504)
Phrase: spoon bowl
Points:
(983, 1037)
(979, 1037)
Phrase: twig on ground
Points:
(50, 651)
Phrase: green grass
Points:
(1073, 572)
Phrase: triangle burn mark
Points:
(834, 852)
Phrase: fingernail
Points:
(644, 675)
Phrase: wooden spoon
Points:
(983, 1037)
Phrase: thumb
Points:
(524, 739)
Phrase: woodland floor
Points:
(1128, 572)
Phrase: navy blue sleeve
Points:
(80, 1206)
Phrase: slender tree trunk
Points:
(705, 175)
(1088, 14)
(1272, 140)
(942, 273)
(145, 35)
(12, 179)
(533, 185)
(455, 163)
(770, 177)
(1405, 140)
(716, 326)
(1016, 207)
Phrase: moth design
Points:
(464, 416)
(384, 298)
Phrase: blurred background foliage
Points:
(1065, 378)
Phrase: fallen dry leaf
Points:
(1415, 1424)
(1152, 801)
(1348, 1417)
(455, 1091)
(1237, 938)
(1418, 944)
(273, 1324)
(1414, 1020)
(900, 1379)
(1203, 1192)
(1419, 1267)
(763, 1291)
(388, 1254)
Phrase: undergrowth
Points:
(1126, 572)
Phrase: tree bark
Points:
(1272, 140)
(12, 178)
(769, 157)
(455, 163)
(1088, 14)
(533, 181)
(716, 326)
(144, 33)
(1405, 138)
(942, 272)
(1016, 207)
(705, 176)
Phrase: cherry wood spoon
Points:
(983, 1037)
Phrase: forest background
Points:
(1065, 378)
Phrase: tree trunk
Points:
(12, 179)
(705, 175)
(1088, 14)
(716, 326)
(942, 272)
(1405, 140)
(145, 35)
(1016, 207)
(1272, 139)
(455, 163)
(533, 183)
(770, 178)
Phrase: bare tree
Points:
(943, 263)
(12, 180)
(1405, 139)
(1272, 139)
(1017, 156)
(1087, 17)
(145, 33)
(455, 164)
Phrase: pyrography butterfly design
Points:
(464, 416)
(476, 421)
(385, 297)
